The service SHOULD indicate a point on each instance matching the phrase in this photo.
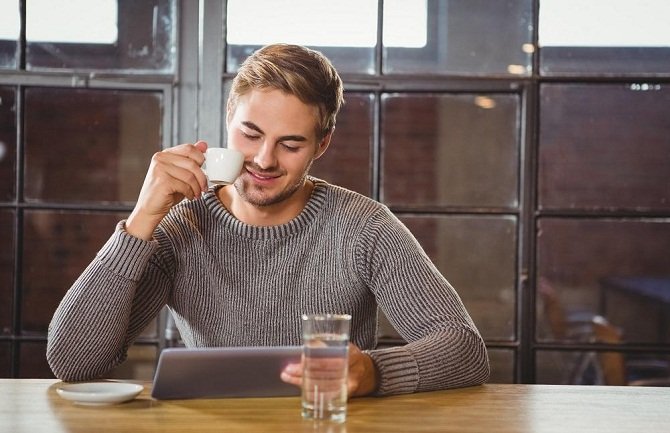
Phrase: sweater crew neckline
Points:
(304, 218)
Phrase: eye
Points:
(290, 148)
(250, 136)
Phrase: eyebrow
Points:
(256, 128)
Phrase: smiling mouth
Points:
(263, 176)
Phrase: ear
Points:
(229, 113)
(323, 145)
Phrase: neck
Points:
(264, 216)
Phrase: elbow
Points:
(69, 364)
(68, 371)
(463, 360)
(57, 365)
(482, 369)
(479, 370)
(475, 361)
(57, 359)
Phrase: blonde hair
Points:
(296, 70)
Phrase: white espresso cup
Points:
(222, 165)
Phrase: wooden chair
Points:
(598, 367)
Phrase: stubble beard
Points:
(256, 196)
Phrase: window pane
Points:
(604, 146)
(33, 361)
(89, 145)
(502, 365)
(602, 368)
(577, 260)
(7, 143)
(478, 257)
(105, 34)
(479, 37)
(345, 30)
(10, 27)
(449, 150)
(642, 296)
(604, 36)
(6, 270)
(57, 247)
(348, 160)
(5, 359)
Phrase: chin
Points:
(254, 195)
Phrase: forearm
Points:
(98, 318)
(88, 330)
(449, 358)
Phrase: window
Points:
(347, 38)
(477, 254)
(449, 150)
(109, 136)
(81, 112)
(349, 161)
(467, 37)
(587, 129)
(108, 35)
(418, 36)
(8, 128)
(9, 33)
(604, 37)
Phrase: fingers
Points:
(173, 174)
(292, 374)
(363, 376)
(327, 371)
(183, 163)
(178, 173)
(193, 151)
(201, 146)
(325, 375)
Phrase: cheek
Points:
(238, 142)
(297, 164)
(235, 140)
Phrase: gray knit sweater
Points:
(231, 284)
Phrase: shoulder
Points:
(361, 214)
(347, 202)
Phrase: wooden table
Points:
(32, 405)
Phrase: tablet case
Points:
(184, 373)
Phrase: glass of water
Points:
(325, 366)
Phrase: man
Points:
(238, 265)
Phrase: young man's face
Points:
(276, 132)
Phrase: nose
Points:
(265, 156)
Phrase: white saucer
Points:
(99, 393)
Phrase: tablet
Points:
(224, 372)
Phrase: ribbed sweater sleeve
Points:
(106, 308)
(444, 348)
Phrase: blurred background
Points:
(526, 144)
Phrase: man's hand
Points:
(174, 174)
(363, 377)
